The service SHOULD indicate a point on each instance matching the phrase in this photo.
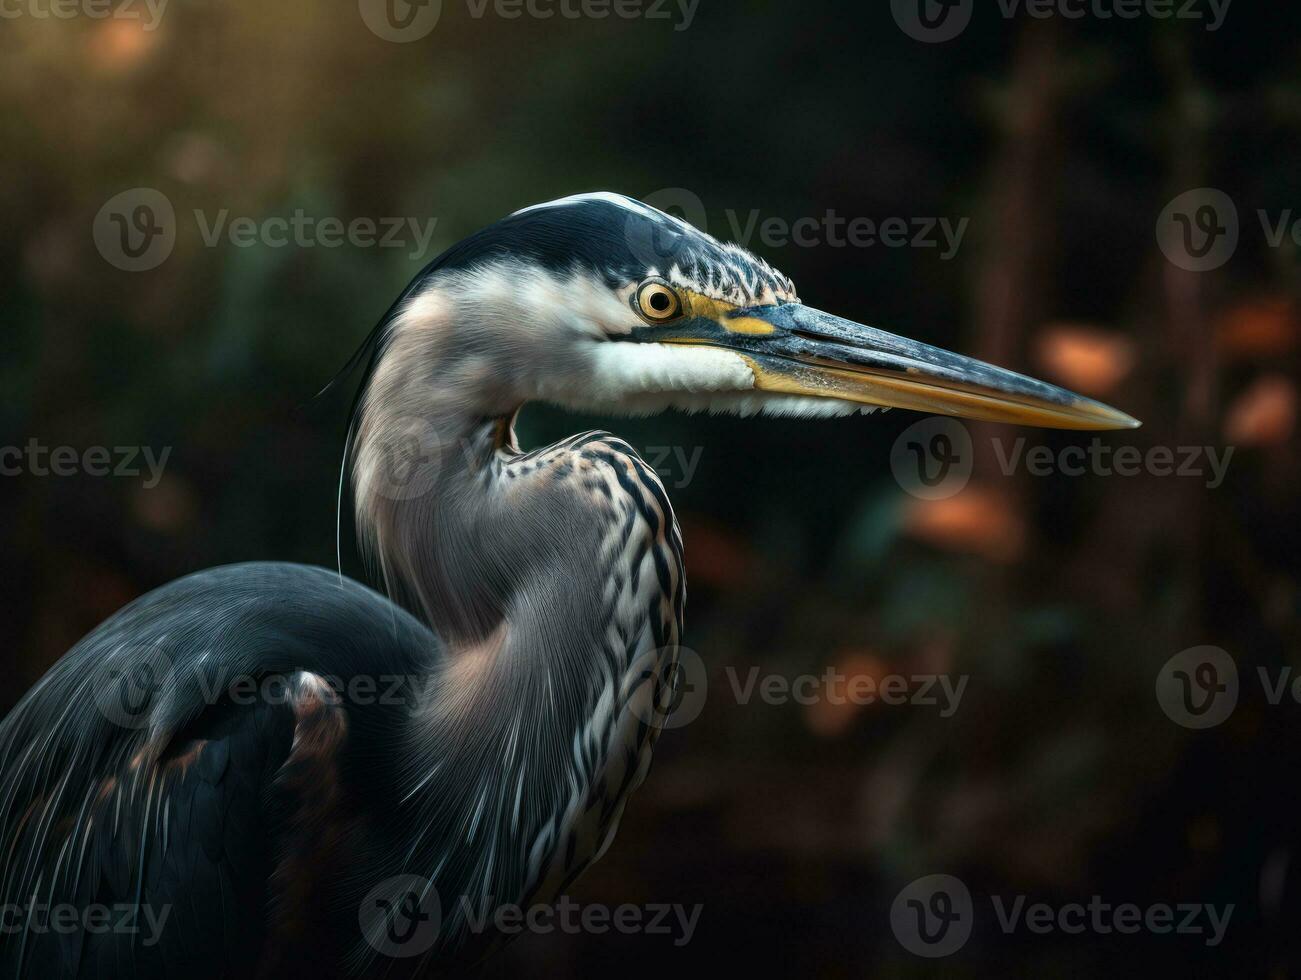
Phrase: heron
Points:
(272, 769)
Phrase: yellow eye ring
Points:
(658, 302)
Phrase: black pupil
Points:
(659, 302)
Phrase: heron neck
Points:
(549, 576)
(427, 511)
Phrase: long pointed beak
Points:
(793, 349)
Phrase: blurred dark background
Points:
(1060, 598)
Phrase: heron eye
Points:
(657, 302)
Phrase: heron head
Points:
(602, 303)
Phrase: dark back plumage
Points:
(132, 777)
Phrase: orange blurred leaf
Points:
(1264, 414)
(119, 44)
(1261, 328)
(1086, 358)
(828, 717)
(978, 520)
